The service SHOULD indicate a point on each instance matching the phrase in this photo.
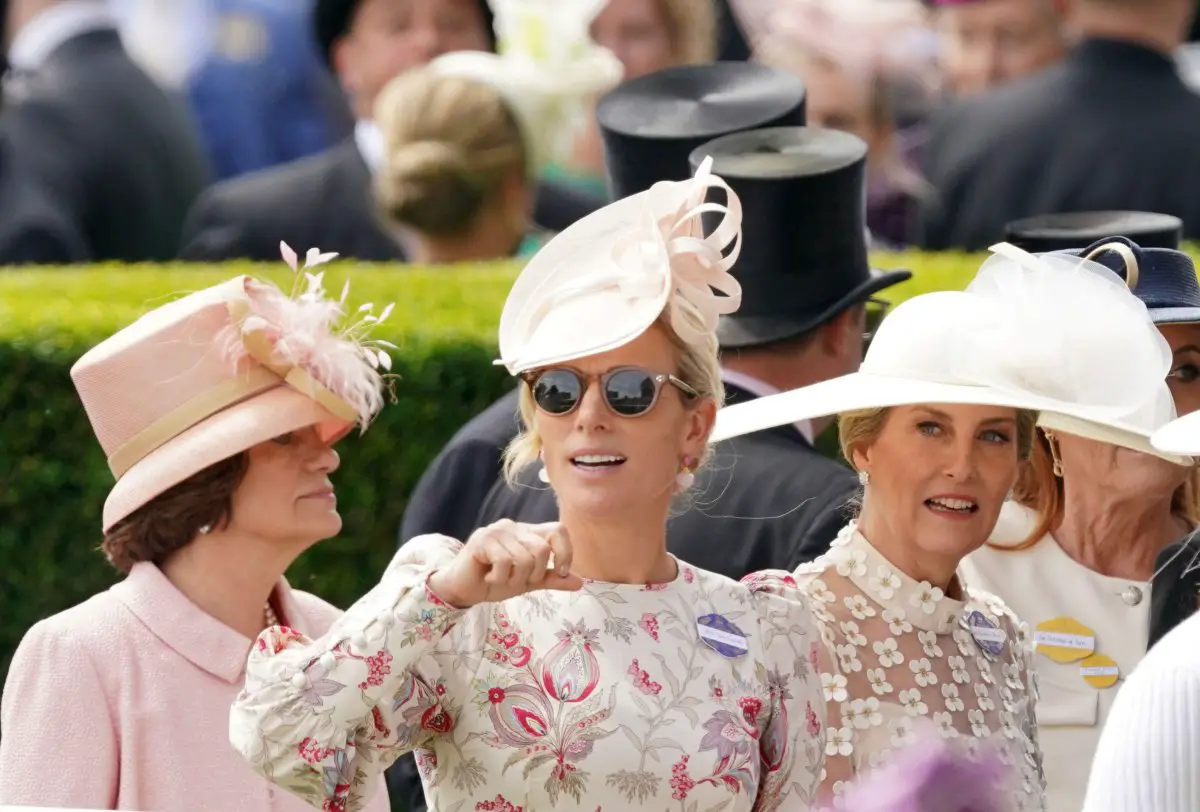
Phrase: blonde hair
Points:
(449, 144)
(863, 427)
(699, 368)
(1040, 490)
(692, 25)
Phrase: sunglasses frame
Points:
(660, 379)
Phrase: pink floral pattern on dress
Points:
(604, 698)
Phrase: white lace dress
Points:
(902, 659)
(697, 695)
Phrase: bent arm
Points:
(324, 718)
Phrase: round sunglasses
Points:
(628, 391)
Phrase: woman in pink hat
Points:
(218, 413)
(578, 665)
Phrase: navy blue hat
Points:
(1163, 278)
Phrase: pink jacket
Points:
(122, 702)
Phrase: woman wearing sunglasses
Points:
(937, 422)
(573, 666)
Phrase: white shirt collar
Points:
(54, 26)
(370, 144)
(762, 389)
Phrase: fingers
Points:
(569, 582)
(559, 542)
(517, 557)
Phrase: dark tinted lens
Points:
(557, 391)
(630, 391)
(875, 312)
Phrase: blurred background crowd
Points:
(144, 130)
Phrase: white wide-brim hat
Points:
(1180, 436)
(1034, 333)
(1133, 431)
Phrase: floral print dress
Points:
(903, 660)
(696, 695)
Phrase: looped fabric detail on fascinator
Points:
(216, 372)
(1029, 333)
(604, 281)
(546, 69)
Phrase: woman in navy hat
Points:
(1074, 550)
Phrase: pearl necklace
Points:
(269, 615)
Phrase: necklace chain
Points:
(269, 615)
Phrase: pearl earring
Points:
(685, 478)
(544, 475)
(864, 478)
(205, 529)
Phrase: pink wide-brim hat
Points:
(212, 374)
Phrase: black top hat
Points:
(804, 232)
(1070, 230)
(651, 124)
(332, 19)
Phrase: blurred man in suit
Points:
(987, 42)
(1112, 126)
(327, 200)
(96, 161)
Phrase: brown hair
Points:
(863, 427)
(1041, 491)
(693, 29)
(171, 520)
(449, 144)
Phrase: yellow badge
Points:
(1100, 671)
(1064, 639)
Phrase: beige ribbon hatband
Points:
(188, 414)
(227, 393)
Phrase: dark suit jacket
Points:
(98, 162)
(451, 492)
(324, 201)
(765, 500)
(1111, 127)
(1175, 592)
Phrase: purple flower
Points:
(933, 776)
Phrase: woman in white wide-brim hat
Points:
(619, 677)
(218, 413)
(1073, 552)
(937, 422)
(1146, 758)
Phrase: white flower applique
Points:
(897, 621)
(983, 697)
(889, 652)
(852, 563)
(862, 713)
(945, 724)
(834, 686)
(903, 733)
(839, 742)
(859, 607)
(848, 659)
(853, 636)
(912, 702)
(884, 583)
(978, 723)
(954, 702)
(958, 668)
(929, 642)
(877, 678)
(922, 672)
(926, 597)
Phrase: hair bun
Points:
(428, 185)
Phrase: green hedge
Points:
(53, 477)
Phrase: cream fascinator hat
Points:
(604, 281)
(1047, 334)
(205, 377)
(546, 69)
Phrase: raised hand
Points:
(506, 559)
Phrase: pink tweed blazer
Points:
(122, 702)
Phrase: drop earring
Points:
(685, 478)
(864, 478)
(543, 474)
(205, 529)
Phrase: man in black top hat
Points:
(326, 200)
(770, 499)
(1112, 126)
(1070, 231)
(691, 105)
